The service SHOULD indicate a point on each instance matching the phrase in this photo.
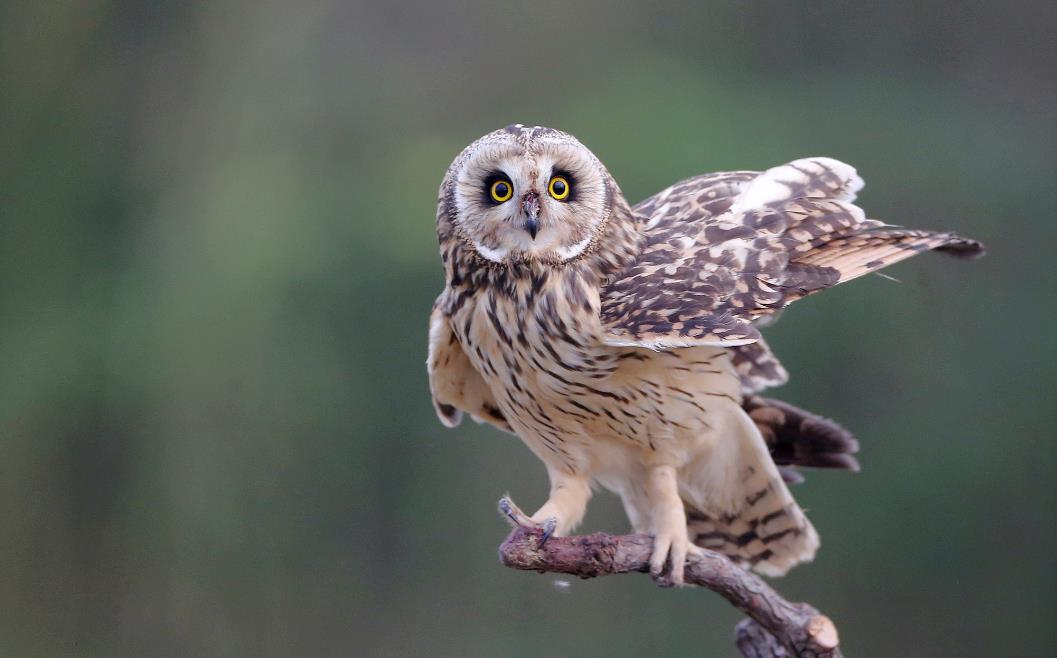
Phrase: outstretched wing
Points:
(455, 384)
(725, 251)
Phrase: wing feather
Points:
(724, 251)
(868, 251)
(455, 384)
(757, 367)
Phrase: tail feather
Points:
(770, 535)
(799, 438)
(755, 522)
(763, 528)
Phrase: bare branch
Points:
(776, 628)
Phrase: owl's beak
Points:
(530, 204)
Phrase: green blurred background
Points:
(217, 258)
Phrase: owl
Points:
(621, 343)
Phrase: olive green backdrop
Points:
(217, 258)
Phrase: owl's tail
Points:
(756, 522)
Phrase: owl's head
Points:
(527, 194)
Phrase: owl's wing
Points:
(798, 438)
(455, 384)
(698, 200)
(726, 251)
(757, 367)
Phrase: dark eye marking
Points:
(570, 184)
(497, 188)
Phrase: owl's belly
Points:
(613, 410)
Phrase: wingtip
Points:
(961, 247)
(964, 249)
(449, 416)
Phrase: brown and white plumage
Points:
(621, 344)
(724, 251)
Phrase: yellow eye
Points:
(559, 188)
(501, 191)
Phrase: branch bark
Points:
(776, 628)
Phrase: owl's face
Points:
(522, 194)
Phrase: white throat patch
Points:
(568, 253)
(494, 255)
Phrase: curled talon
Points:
(518, 519)
(514, 514)
(550, 524)
(506, 508)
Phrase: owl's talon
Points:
(550, 524)
(506, 508)
(517, 518)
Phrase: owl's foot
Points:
(519, 519)
(671, 543)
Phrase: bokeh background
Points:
(217, 258)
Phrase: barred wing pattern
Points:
(724, 251)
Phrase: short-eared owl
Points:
(620, 342)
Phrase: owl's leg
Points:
(562, 512)
(668, 523)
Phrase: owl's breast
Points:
(571, 397)
(542, 345)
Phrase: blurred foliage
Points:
(217, 260)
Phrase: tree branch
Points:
(776, 628)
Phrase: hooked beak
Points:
(530, 205)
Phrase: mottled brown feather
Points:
(725, 250)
